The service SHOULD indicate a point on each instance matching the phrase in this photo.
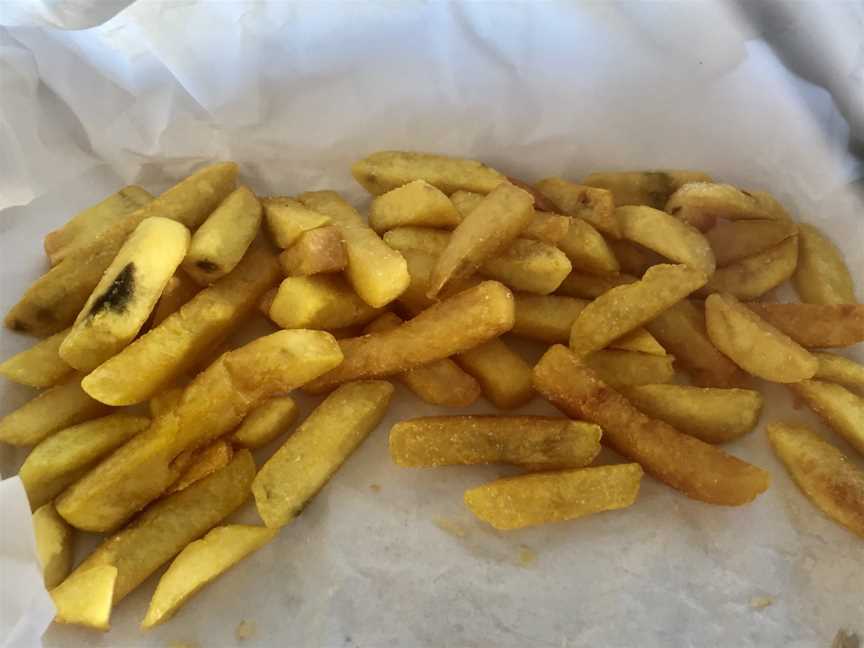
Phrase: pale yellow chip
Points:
(589, 203)
(288, 219)
(713, 415)
(815, 326)
(536, 442)
(317, 251)
(702, 203)
(755, 345)
(504, 376)
(416, 203)
(826, 476)
(200, 563)
(545, 226)
(322, 443)
(166, 400)
(266, 422)
(202, 463)
(587, 286)
(755, 275)
(618, 368)
(835, 368)
(85, 597)
(841, 409)
(39, 366)
(651, 188)
(319, 302)
(732, 241)
(821, 276)
(529, 500)
(53, 545)
(587, 250)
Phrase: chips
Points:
(319, 302)
(835, 368)
(200, 563)
(651, 188)
(815, 325)
(587, 250)
(317, 251)
(699, 470)
(733, 241)
(53, 545)
(452, 326)
(842, 410)
(310, 456)
(65, 456)
(627, 307)
(504, 376)
(288, 219)
(161, 355)
(39, 366)
(821, 276)
(386, 170)
(753, 344)
(487, 230)
(52, 410)
(266, 422)
(55, 299)
(702, 203)
(596, 206)
(416, 203)
(528, 500)
(85, 597)
(127, 293)
(536, 442)
(666, 235)
(201, 463)
(588, 286)
(713, 415)
(377, 272)
(222, 240)
(619, 368)
(755, 275)
(441, 382)
(826, 476)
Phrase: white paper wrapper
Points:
(295, 92)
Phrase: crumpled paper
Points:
(297, 91)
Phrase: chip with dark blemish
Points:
(119, 293)
(206, 266)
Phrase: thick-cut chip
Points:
(588, 286)
(166, 400)
(504, 376)
(64, 457)
(441, 382)
(319, 302)
(487, 230)
(589, 203)
(528, 500)
(668, 236)
(420, 266)
(753, 344)
(816, 325)
(55, 299)
(222, 240)
(377, 272)
(651, 188)
(702, 203)
(587, 250)
(179, 290)
(713, 415)
(213, 404)
(86, 226)
(627, 307)
(85, 598)
(416, 203)
(53, 545)
(52, 410)
(835, 368)
(536, 442)
(681, 330)
(322, 443)
(288, 219)
(122, 301)
(266, 422)
(200, 563)
(736, 240)
(315, 252)
(165, 352)
(699, 470)
(202, 463)
(452, 326)
(754, 276)
(421, 239)
(386, 170)
(821, 276)
(540, 201)
(39, 366)
(826, 476)
(161, 531)
(842, 410)
(546, 227)
(618, 368)
(633, 258)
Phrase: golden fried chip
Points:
(823, 473)
(589, 203)
(203, 462)
(815, 325)
(545, 226)
(288, 219)
(618, 368)
(386, 170)
(264, 423)
(842, 410)
(702, 203)
(85, 597)
(504, 376)
(528, 500)
(39, 366)
(755, 275)
(821, 276)
(416, 203)
(315, 252)
(53, 545)
(699, 470)
(536, 442)
(835, 368)
(322, 443)
(713, 415)
(587, 250)
(753, 344)
(319, 302)
(588, 286)
(651, 188)
(733, 241)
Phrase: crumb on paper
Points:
(245, 630)
(375, 488)
(452, 527)
(527, 556)
(761, 602)
(845, 639)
